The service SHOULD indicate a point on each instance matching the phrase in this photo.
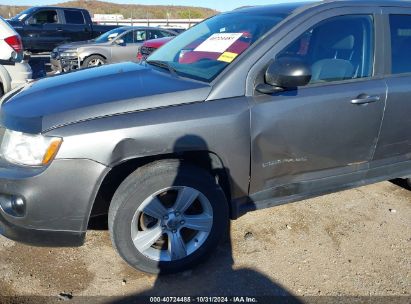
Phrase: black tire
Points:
(1, 90)
(147, 180)
(87, 63)
(408, 180)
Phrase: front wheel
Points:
(93, 61)
(167, 216)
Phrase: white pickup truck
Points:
(14, 71)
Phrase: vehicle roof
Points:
(57, 7)
(129, 27)
(297, 6)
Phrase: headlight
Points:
(29, 149)
(68, 54)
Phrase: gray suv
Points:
(249, 109)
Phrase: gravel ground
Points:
(355, 243)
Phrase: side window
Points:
(74, 17)
(400, 43)
(338, 48)
(128, 37)
(166, 34)
(43, 17)
(154, 34)
(139, 36)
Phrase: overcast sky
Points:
(220, 5)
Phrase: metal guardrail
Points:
(181, 23)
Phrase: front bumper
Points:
(58, 201)
(64, 64)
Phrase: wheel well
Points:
(204, 159)
(95, 54)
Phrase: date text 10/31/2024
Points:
(199, 299)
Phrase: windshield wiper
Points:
(163, 65)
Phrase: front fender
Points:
(84, 53)
(221, 127)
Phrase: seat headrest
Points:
(346, 43)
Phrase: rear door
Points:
(322, 136)
(75, 27)
(394, 145)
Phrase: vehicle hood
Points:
(79, 44)
(108, 90)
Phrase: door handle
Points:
(364, 99)
(59, 29)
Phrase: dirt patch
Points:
(52, 268)
(6, 290)
(346, 243)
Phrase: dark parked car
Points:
(249, 109)
(42, 28)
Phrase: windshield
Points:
(203, 51)
(22, 14)
(110, 35)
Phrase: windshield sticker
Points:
(227, 57)
(22, 16)
(218, 43)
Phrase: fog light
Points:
(18, 206)
(13, 205)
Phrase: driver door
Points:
(128, 50)
(320, 137)
(43, 30)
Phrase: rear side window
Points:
(400, 43)
(339, 48)
(74, 17)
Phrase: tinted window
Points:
(74, 17)
(166, 34)
(337, 49)
(401, 43)
(154, 35)
(44, 17)
(128, 37)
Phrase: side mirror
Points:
(119, 41)
(284, 74)
(32, 21)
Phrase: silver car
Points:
(117, 45)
